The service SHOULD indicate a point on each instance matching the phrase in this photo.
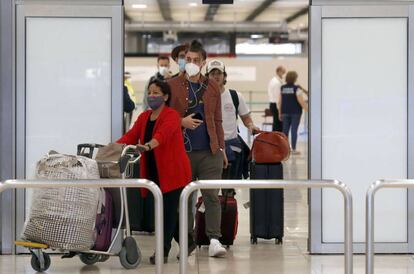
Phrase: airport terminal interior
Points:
(70, 69)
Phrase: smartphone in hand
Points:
(198, 116)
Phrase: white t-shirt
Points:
(273, 89)
(229, 114)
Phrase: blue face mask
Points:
(154, 102)
(181, 64)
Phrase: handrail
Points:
(261, 184)
(369, 218)
(107, 183)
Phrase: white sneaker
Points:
(216, 249)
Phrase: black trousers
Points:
(171, 203)
(277, 124)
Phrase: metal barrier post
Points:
(113, 183)
(261, 184)
(369, 227)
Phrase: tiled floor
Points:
(242, 258)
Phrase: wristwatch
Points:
(149, 146)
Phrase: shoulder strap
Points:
(235, 99)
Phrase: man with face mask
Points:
(197, 100)
(163, 73)
(178, 55)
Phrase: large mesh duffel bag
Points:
(64, 218)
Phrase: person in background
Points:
(163, 73)
(273, 91)
(198, 101)
(290, 107)
(232, 106)
(129, 107)
(157, 133)
(178, 55)
(127, 83)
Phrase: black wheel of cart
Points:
(130, 255)
(104, 258)
(36, 264)
(89, 259)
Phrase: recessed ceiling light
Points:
(193, 4)
(139, 6)
(256, 36)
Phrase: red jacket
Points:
(174, 169)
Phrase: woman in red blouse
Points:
(157, 133)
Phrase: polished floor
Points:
(242, 258)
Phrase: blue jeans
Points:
(291, 123)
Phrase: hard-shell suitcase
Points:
(266, 205)
(229, 222)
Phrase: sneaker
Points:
(216, 249)
(191, 248)
(152, 259)
(295, 152)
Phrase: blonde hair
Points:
(291, 77)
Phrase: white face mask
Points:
(192, 69)
(162, 70)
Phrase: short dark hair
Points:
(196, 46)
(164, 87)
(291, 77)
(163, 57)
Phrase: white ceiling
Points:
(181, 11)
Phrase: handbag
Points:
(270, 147)
(108, 158)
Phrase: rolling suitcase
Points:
(229, 222)
(266, 205)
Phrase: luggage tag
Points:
(235, 149)
(202, 208)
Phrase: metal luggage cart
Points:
(122, 245)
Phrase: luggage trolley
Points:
(122, 245)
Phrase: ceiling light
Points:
(139, 6)
(256, 36)
(193, 4)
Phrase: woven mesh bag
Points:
(64, 218)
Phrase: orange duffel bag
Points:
(270, 147)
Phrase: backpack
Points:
(236, 102)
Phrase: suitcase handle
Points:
(82, 148)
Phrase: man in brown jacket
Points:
(198, 100)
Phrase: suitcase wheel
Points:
(40, 261)
(253, 240)
(279, 240)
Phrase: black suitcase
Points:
(141, 210)
(266, 205)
